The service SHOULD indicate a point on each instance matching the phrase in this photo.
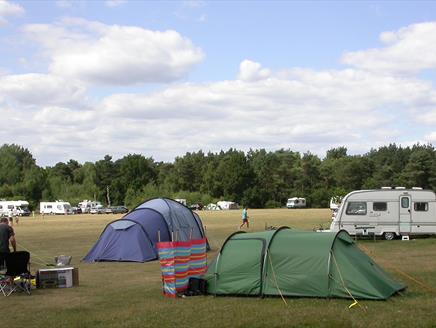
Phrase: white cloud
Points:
(252, 71)
(427, 116)
(64, 3)
(114, 3)
(295, 108)
(40, 89)
(307, 110)
(408, 51)
(431, 138)
(114, 55)
(8, 9)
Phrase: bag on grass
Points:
(196, 286)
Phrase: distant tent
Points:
(134, 236)
(297, 263)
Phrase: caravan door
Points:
(405, 214)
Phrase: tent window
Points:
(356, 208)
(380, 206)
(420, 206)
(122, 224)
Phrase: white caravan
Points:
(181, 201)
(14, 207)
(296, 202)
(57, 207)
(387, 212)
(87, 205)
(226, 205)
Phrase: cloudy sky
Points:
(83, 79)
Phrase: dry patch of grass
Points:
(129, 294)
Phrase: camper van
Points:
(388, 212)
(181, 201)
(296, 202)
(14, 207)
(226, 205)
(87, 205)
(57, 207)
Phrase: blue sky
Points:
(89, 78)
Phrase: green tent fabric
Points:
(299, 264)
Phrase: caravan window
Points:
(420, 206)
(356, 208)
(405, 202)
(380, 206)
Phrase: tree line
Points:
(257, 178)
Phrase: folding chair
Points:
(17, 276)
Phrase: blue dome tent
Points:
(133, 238)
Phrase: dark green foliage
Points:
(258, 178)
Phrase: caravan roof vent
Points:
(386, 188)
(401, 188)
(416, 188)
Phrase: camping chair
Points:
(17, 276)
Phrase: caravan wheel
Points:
(389, 235)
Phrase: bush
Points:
(273, 204)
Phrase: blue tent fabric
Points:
(180, 219)
(130, 244)
(134, 236)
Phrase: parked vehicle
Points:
(98, 209)
(76, 210)
(196, 207)
(226, 205)
(57, 207)
(387, 212)
(87, 205)
(119, 209)
(14, 207)
(296, 202)
(213, 207)
(181, 201)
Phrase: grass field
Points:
(129, 294)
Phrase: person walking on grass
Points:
(244, 218)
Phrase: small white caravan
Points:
(57, 207)
(387, 212)
(181, 201)
(14, 207)
(226, 205)
(87, 205)
(296, 202)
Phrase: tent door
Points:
(240, 267)
(405, 214)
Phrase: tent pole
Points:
(158, 235)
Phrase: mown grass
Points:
(129, 294)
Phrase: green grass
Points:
(129, 294)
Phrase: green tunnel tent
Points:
(297, 264)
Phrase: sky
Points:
(82, 79)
